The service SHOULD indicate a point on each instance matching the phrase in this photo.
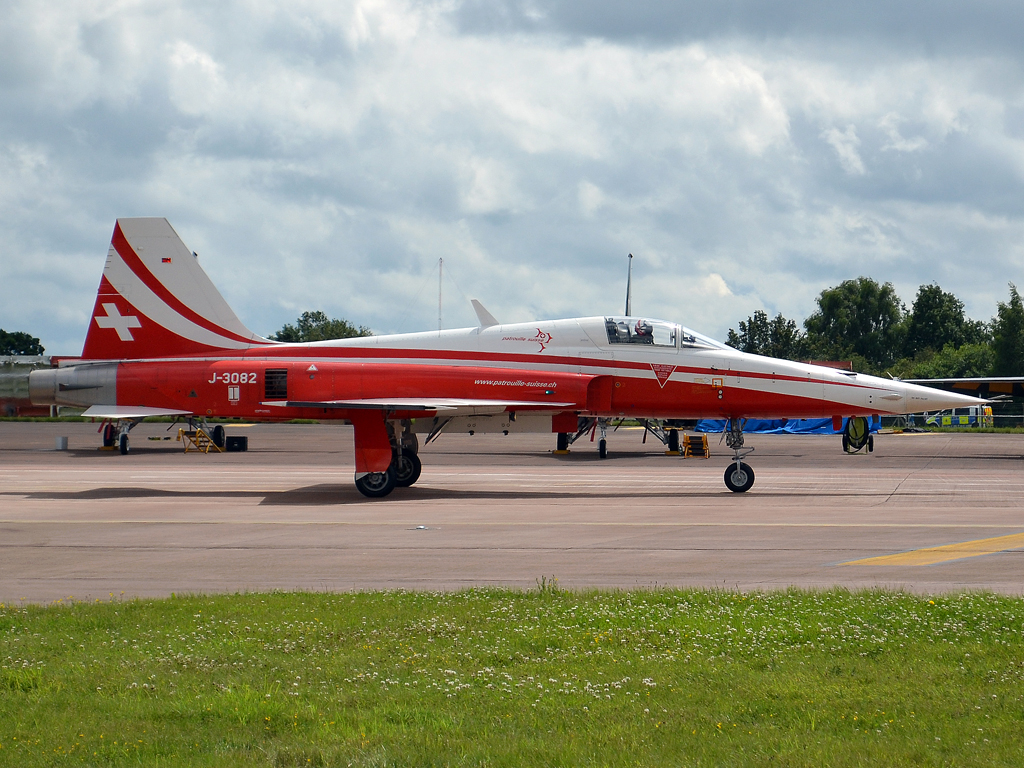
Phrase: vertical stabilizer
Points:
(154, 300)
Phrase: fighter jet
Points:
(162, 341)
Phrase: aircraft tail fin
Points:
(154, 300)
(486, 318)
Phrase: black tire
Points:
(376, 485)
(562, 443)
(871, 443)
(217, 435)
(739, 478)
(602, 449)
(109, 436)
(407, 468)
(122, 443)
(673, 440)
(846, 444)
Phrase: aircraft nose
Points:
(920, 398)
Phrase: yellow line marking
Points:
(943, 554)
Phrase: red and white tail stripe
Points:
(154, 300)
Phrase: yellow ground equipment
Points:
(197, 441)
(696, 445)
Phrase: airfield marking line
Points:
(947, 552)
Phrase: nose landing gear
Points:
(739, 477)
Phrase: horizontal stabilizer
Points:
(129, 412)
(418, 404)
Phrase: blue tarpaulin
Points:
(785, 426)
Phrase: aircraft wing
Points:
(130, 412)
(417, 403)
(980, 386)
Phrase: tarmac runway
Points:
(925, 512)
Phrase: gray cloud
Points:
(327, 155)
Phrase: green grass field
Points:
(497, 677)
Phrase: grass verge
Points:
(498, 677)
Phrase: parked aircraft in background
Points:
(988, 387)
(162, 341)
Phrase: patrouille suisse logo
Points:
(662, 372)
(541, 338)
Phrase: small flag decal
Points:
(166, 260)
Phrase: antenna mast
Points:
(629, 286)
(440, 275)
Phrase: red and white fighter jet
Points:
(162, 341)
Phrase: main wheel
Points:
(739, 477)
(407, 468)
(673, 440)
(122, 443)
(602, 448)
(377, 484)
(217, 435)
(109, 435)
(871, 443)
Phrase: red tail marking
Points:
(125, 250)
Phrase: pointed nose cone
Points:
(918, 398)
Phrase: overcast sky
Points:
(324, 155)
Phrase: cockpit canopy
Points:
(658, 333)
(634, 330)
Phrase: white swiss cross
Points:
(117, 321)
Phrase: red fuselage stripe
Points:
(288, 353)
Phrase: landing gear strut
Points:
(739, 477)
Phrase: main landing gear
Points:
(404, 469)
(739, 477)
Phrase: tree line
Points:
(317, 326)
(19, 343)
(866, 322)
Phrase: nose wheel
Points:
(739, 477)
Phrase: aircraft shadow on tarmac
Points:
(340, 495)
